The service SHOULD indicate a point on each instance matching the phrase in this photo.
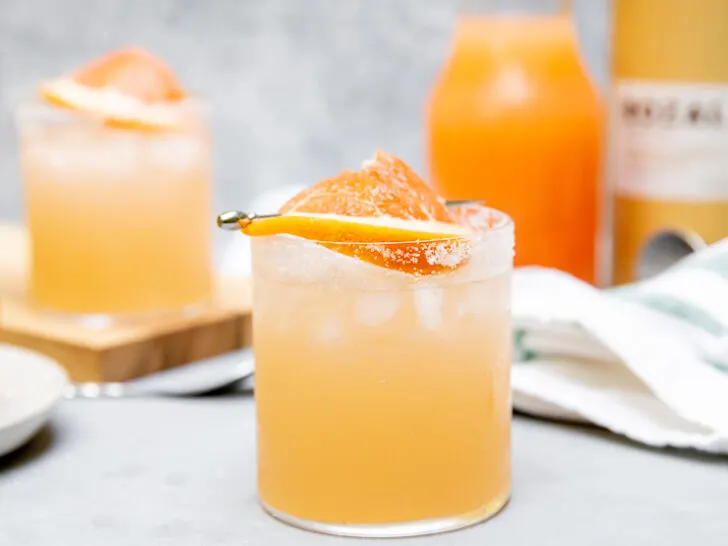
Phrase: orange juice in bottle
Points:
(514, 119)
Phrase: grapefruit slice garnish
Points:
(333, 228)
(127, 87)
(383, 214)
(412, 246)
(385, 186)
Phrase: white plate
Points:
(30, 386)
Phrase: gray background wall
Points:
(300, 88)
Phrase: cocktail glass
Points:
(103, 207)
(383, 398)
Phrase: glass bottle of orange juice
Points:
(514, 119)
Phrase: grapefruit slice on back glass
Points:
(126, 87)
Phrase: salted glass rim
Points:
(504, 223)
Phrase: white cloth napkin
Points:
(648, 361)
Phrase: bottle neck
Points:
(545, 42)
(515, 7)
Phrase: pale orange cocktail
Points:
(105, 191)
(383, 393)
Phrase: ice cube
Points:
(377, 308)
(429, 304)
(328, 329)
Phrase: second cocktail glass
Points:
(109, 177)
(103, 209)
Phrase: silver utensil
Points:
(193, 379)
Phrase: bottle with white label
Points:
(669, 131)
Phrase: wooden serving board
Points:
(121, 352)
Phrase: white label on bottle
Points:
(670, 141)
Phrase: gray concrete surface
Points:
(301, 89)
(182, 472)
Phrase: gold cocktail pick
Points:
(233, 220)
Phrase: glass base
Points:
(394, 530)
(103, 321)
